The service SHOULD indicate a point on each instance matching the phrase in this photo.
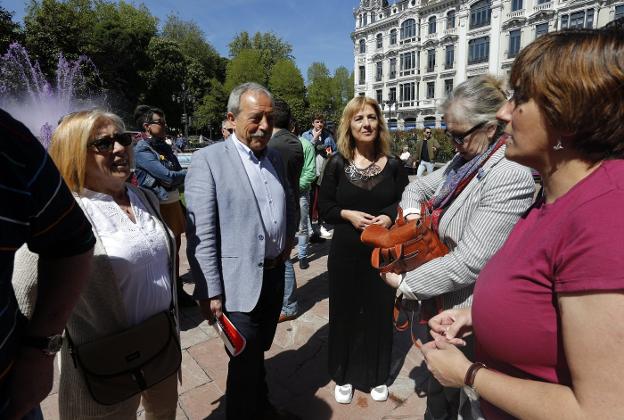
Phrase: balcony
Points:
(516, 14)
(543, 6)
(450, 31)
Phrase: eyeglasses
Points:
(107, 143)
(161, 123)
(229, 130)
(459, 138)
(427, 132)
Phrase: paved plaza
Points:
(296, 363)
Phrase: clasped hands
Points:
(360, 220)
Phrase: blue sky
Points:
(318, 30)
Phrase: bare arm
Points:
(593, 336)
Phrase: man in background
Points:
(426, 149)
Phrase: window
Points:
(379, 95)
(448, 86)
(407, 63)
(589, 20)
(432, 25)
(379, 41)
(541, 29)
(543, 1)
(577, 20)
(393, 38)
(478, 50)
(480, 14)
(362, 46)
(407, 92)
(378, 72)
(365, 18)
(408, 29)
(514, 43)
(619, 12)
(430, 90)
(392, 95)
(516, 5)
(362, 75)
(393, 68)
(564, 22)
(430, 60)
(450, 57)
(450, 19)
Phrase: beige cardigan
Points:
(99, 312)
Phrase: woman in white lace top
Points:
(133, 265)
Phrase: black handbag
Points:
(124, 364)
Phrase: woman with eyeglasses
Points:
(548, 307)
(158, 169)
(133, 261)
(475, 200)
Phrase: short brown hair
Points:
(576, 77)
(318, 116)
(346, 143)
(68, 148)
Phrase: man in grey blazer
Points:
(241, 230)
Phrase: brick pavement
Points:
(296, 363)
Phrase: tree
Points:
(54, 27)
(193, 44)
(118, 47)
(271, 48)
(9, 31)
(244, 68)
(287, 83)
(211, 109)
(321, 90)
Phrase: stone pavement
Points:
(296, 363)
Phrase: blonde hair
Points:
(68, 148)
(346, 142)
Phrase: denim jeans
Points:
(289, 305)
(305, 227)
(424, 165)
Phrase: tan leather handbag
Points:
(405, 246)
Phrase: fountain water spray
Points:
(30, 98)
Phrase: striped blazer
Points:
(474, 227)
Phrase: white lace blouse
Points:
(137, 252)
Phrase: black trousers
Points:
(247, 392)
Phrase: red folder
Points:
(232, 338)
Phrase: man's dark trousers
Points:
(247, 391)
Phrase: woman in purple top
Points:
(548, 307)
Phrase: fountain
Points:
(30, 98)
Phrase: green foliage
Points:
(244, 68)
(9, 31)
(53, 27)
(446, 149)
(328, 94)
(193, 44)
(210, 110)
(287, 83)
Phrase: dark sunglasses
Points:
(106, 143)
(459, 138)
(162, 123)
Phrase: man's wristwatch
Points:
(48, 345)
(469, 387)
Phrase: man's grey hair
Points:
(233, 105)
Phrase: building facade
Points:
(410, 53)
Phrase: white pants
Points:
(424, 165)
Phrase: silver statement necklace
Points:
(356, 174)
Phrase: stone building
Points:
(410, 53)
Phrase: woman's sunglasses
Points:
(459, 138)
(107, 143)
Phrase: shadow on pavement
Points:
(295, 376)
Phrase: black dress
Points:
(360, 303)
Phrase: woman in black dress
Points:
(362, 185)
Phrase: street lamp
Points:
(182, 97)
(389, 107)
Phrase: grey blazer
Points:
(225, 233)
(474, 227)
